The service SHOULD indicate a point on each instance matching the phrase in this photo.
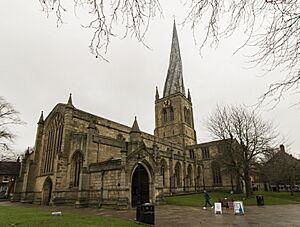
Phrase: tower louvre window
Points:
(171, 114)
(187, 116)
(164, 116)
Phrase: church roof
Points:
(174, 81)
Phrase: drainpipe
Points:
(101, 189)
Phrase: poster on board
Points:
(218, 208)
(238, 207)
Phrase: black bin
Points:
(260, 200)
(147, 213)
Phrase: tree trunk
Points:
(248, 185)
(238, 188)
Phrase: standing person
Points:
(206, 198)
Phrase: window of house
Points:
(5, 179)
(205, 153)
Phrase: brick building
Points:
(9, 171)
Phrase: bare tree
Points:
(280, 168)
(246, 135)
(134, 15)
(272, 29)
(9, 117)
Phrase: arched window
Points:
(53, 141)
(177, 174)
(190, 176)
(216, 172)
(199, 171)
(77, 161)
(171, 114)
(187, 115)
(164, 116)
(163, 169)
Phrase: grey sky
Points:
(40, 65)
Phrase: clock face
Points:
(167, 103)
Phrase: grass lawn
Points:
(20, 216)
(270, 198)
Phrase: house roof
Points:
(9, 168)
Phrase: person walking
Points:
(207, 198)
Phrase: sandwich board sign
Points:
(218, 208)
(238, 207)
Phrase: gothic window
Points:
(177, 174)
(192, 154)
(171, 114)
(163, 168)
(77, 161)
(53, 141)
(216, 172)
(189, 176)
(205, 153)
(199, 171)
(187, 116)
(164, 116)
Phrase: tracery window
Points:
(77, 161)
(177, 174)
(189, 175)
(216, 172)
(53, 141)
(205, 153)
(163, 168)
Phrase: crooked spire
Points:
(174, 81)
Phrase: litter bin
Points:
(260, 200)
(147, 213)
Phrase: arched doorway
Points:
(47, 191)
(139, 186)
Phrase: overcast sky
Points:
(41, 64)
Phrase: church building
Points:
(85, 160)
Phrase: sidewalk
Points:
(177, 216)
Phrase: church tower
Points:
(173, 112)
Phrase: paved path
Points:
(183, 216)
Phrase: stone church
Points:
(86, 160)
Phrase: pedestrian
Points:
(207, 198)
